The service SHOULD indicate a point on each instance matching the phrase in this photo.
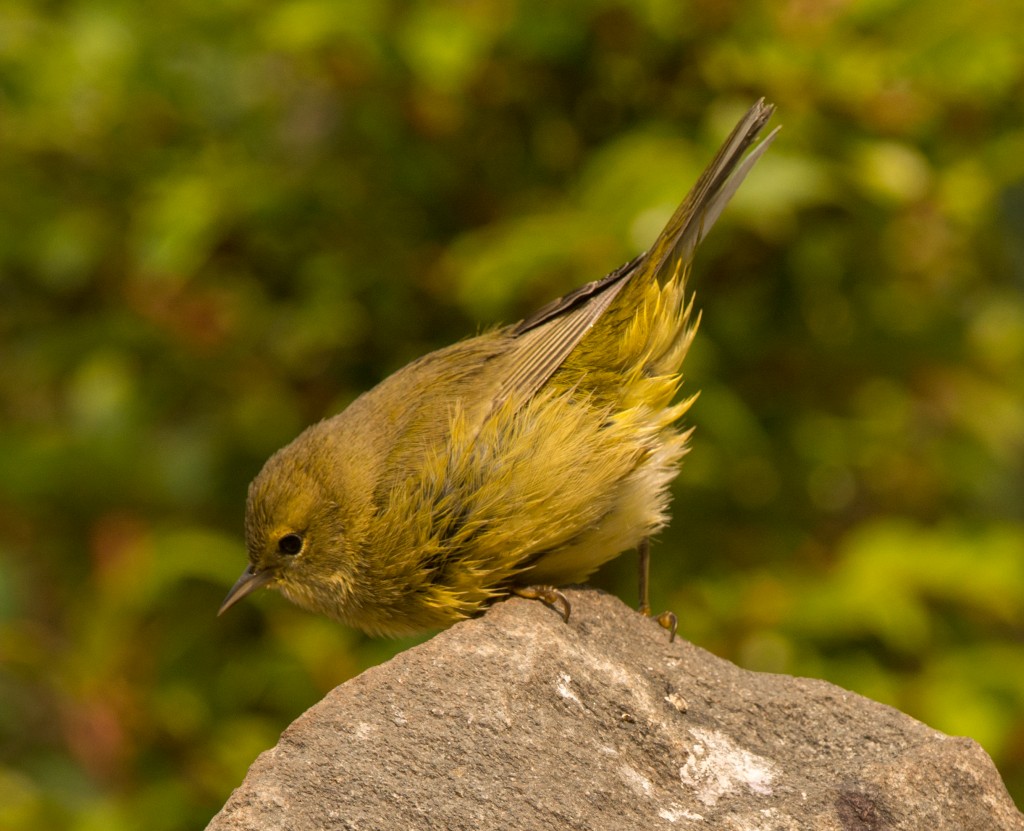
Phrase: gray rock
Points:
(517, 720)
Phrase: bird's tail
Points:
(634, 320)
(702, 206)
(633, 350)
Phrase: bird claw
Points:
(666, 620)
(549, 596)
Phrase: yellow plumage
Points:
(529, 455)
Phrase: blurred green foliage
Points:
(221, 221)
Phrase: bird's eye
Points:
(290, 544)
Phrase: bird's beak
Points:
(247, 584)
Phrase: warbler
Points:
(509, 463)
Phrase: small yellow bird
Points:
(509, 463)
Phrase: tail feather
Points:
(702, 206)
(549, 337)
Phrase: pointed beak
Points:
(247, 584)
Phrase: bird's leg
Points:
(548, 595)
(666, 620)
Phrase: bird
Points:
(509, 463)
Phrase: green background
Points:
(220, 221)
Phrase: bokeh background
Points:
(220, 221)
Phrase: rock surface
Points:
(517, 720)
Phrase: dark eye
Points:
(290, 544)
